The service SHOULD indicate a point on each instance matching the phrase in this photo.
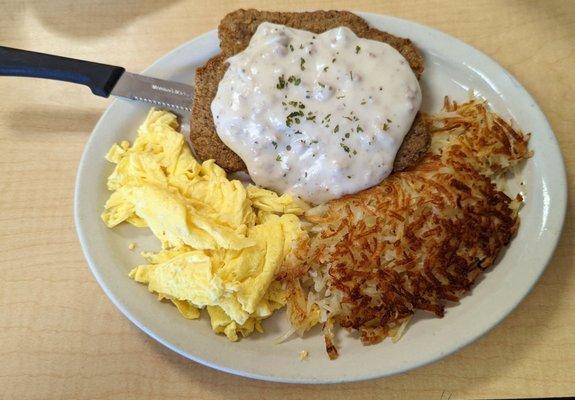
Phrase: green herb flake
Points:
(278, 158)
(321, 84)
(295, 114)
(288, 147)
(295, 80)
(291, 47)
(336, 129)
(344, 147)
(301, 63)
(325, 69)
(347, 135)
(357, 49)
(281, 83)
(359, 129)
(275, 144)
(385, 127)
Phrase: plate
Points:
(452, 68)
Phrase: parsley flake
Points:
(281, 82)
(295, 80)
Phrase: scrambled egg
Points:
(222, 242)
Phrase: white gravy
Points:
(316, 115)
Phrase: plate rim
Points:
(559, 209)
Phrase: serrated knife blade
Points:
(161, 93)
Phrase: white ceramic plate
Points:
(452, 68)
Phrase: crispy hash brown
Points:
(420, 238)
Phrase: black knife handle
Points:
(100, 78)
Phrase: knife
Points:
(104, 80)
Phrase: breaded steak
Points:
(235, 32)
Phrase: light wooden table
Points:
(60, 337)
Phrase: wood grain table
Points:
(61, 338)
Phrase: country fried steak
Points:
(235, 32)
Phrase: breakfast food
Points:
(420, 238)
(316, 115)
(235, 32)
(222, 243)
(321, 107)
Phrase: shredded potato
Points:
(417, 240)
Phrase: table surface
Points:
(60, 337)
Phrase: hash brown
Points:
(420, 238)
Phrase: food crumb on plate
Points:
(132, 246)
(303, 355)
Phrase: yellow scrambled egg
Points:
(222, 242)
